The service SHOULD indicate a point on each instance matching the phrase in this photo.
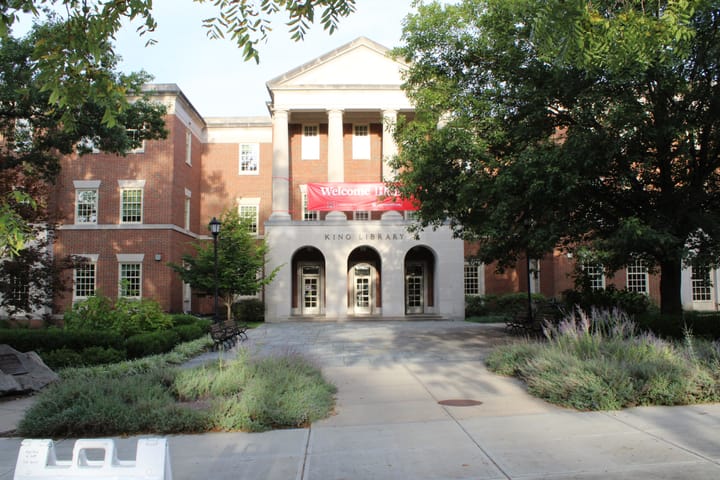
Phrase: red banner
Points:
(326, 197)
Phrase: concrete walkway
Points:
(389, 424)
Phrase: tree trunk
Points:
(670, 284)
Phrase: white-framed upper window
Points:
(130, 280)
(361, 142)
(307, 215)
(701, 284)
(249, 159)
(474, 281)
(310, 142)
(188, 200)
(84, 277)
(637, 277)
(86, 201)
(134, 135)
(131, 200)
(188, 147)
(361, 215)
(595, 274)
(87, 145)
(249, 210)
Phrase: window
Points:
(87, 145)
(307, 215)
(473, 279)
(249, 159)
(362, 215)
(188, 197)
(249, 213)
(86, 203)
(188, 148)
(361, 142)
(20, 290)
(411, 215)
(595, 274)
(23, 135)
(84, 278)
(534, 275)
(310, 143)
(637, 277)
(130, 280)
(134, 136)
(701, 284)
(131, 203)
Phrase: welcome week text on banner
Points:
(326, 197)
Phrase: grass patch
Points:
(601, 362)
(152, 396)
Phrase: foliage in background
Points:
(126, 317)
(632, 303)
(600, 361)
(241, 262)
(505, 305)
(249, 310)
(149, 397)
(568, 123)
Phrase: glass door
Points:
(414, 295)
(363, 290)
(310, 290)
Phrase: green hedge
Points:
(498, 305)
(152, 343)
(45, 340)
(249, 310)
(700, 324)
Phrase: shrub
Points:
(189, 332)
(475, 306)
(101, 356)
(249, 310)
(633, 303)
(66, 357)
(61, 358)
(131, 317)
(701, 324)
(93, 313)
(183, 319)
(152, 343)
(46, 340)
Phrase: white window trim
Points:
(188, 147)
(644, 273)
(250, 202)
(361, 143)
(480, 269)
(92, 258)
(130, 259)
(310, 145)
(132, 185)
(255, 147)
(599, 266)
(303, 204)
(83, 185)
(141, 148)
(357, 214)
(187, 205)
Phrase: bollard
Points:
(37, 460)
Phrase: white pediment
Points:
(360, 62)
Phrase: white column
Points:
(389, 147)
(336, 157)
(280, 167)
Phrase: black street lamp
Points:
(214, 227)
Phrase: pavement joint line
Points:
(664, 440)
(460, 425)
(305, 454)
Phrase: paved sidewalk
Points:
(389, 424)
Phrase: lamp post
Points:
(214, 227)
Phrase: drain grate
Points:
(459, 402)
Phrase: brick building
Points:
(328, 125)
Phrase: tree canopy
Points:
(241, 262)
(543, 124)
(71, 62)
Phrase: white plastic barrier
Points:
(37, 460)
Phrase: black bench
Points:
(227, 334)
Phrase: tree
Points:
(71, 63)
(571, 123)
(241, 262)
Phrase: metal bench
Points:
(226, 334)
(531, 323)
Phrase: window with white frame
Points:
(310, 142)
(595, 274)
(188, 147)
(473, 280)
(361, 142)
(134, 136)
(131, 200)
(637, 277)
(249, 211)
(701, 284)
(361, 215)
(534, 275)
(249, 159)
(87, 145)
(20, 289)
(411, 215)
(307, 215)
(86, 201)
(130, 280)
(188, 199)
(84, 276)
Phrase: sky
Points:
(213, 74)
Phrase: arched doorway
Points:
(419, 281)
(364, 274)
(308, 282)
